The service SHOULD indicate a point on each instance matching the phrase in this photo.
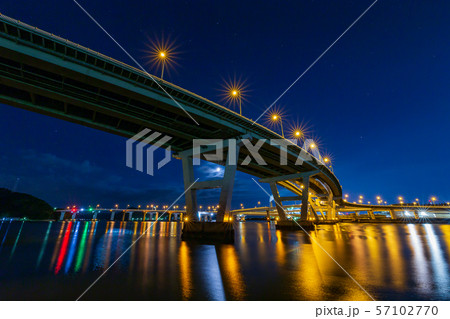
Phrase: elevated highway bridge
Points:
(50, 75)
(395, 211)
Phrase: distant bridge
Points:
(50, 75)
(395, 211)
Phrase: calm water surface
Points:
(60, 260)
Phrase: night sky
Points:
(378, 100)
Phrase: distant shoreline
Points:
(442, 221)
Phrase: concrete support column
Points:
(278, 204)
(314, 213)
(74, 215)
(332, 207)
(371, 214)
(317, 204)
(143, 218)
(229, 174)
(112, 215)
(156, 216)
(123, 216)
(333, 210)
(190, 195)
(181, 217)
(61, 217)
(170, 217)
(393, 214)
(130, 217)
(268, 215)
(305, 199)
(94, 216)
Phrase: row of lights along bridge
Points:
(163, 56)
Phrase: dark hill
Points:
(14, 204)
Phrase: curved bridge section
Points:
(44, 73)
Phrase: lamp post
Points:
(162, 56)
(327, 161)
(275, 118)
(236, 94)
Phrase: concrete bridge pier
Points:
(143, 217)
(371, 214)
(223, 212)
(222, 229)
(190, 194)
(316, 203)
(305, 199)
(130, 216)
(278, 204)
(112, 215)
(332, 205)
(61, 217)
(393, 214)
(313, 213)
(94, 216)
(74, 215)
(284, 222)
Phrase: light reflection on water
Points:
(392, 262)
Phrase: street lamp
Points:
(235, 94)
(162, 56)
(275, 118)
(162, 53)
(298, 131)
